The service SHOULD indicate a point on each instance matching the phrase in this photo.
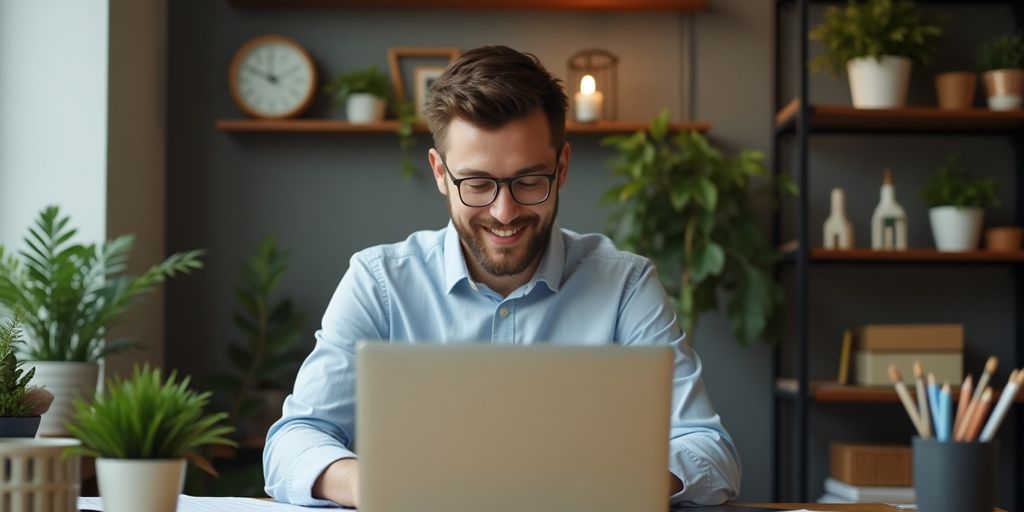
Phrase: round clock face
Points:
(272, 77)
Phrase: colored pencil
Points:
(908, 402)
(922, 400)
(1013, 386)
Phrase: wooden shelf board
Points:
(916, 255)
(575, 5)
(391, 126)
(833, 392)
(927, 119)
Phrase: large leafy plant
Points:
(147, 417)
(271, 327)
(71, 292)
(17, 398)
(951, 185)
(688, 208)
(1002, 52)
(872, 29)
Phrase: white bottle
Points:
(838, 229)
(889, 222)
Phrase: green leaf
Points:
(708, 259)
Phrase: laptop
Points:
(472, 428)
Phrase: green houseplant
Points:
(363, 92)
(876, 42)
(1001, 61)
(21, 405)
(71, 293)
(956, 201)
(141, 433)
(687, 207)
(263, 363)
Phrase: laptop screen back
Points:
(481, 427)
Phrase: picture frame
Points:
(400, 56)
(423, 77)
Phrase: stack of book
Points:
(869, 473)
(938, 347)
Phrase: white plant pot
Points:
(37, 477)
(67, 381)
(875, 84)
(133, 485)
(362, 108)
(956, 229)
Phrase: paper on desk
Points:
(208, 504)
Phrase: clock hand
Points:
(259, 73)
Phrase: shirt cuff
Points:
(306, 468)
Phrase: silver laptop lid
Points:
(461, 428)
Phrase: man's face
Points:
(504, 238)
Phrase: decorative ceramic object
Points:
(1005, 238)
(38, 475)
(889, 222)
(956, 229)
(132, 485)
(67, 381)
(955, 89)
(363, 108)
(1005, 88)
(879, 84)
(838, 229)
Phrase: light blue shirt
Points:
(585, 291)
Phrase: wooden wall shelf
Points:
(832, 392)
(911, 119)
(390, 126)
(914, 255)
(574, 5)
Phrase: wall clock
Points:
(272, 77)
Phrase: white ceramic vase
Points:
(363, 108)
(956, 229)
(879, 84)
(132, 485)
(67, 381)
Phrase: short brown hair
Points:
(491, 86)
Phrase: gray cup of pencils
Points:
(954, 477)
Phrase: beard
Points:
(502, 261)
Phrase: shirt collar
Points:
(549, 272)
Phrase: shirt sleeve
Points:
(317, 425)
(701, 453)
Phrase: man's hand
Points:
(674, 484)
(339, 483)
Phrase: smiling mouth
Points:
(505, 233)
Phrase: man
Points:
(501, 271)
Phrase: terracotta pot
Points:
(1005, 88)
(1007, 238)
(955, 89)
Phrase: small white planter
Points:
(133, 485)
(956, 229)
(37, 477)
(875, 84)
(67, 381)
(362, 108)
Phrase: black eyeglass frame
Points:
(498, 181)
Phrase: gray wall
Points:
(327, 196)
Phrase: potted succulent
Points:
(364, 92)
(70, 293)
(142, 432)
(1001, 61)
(876, 42)
(956, 203)
(688, 208)
(21, 405)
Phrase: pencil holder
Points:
(954, 477)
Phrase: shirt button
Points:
(503, 312)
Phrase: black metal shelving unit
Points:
(795, 124)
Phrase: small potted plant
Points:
(142, 433)
(956, 203)
(70, 293)
(1001, 61)
(21, 405)
(364, 92)
(688, 208)
(876, 42)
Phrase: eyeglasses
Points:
(527, 190)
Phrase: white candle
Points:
(588, 101)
